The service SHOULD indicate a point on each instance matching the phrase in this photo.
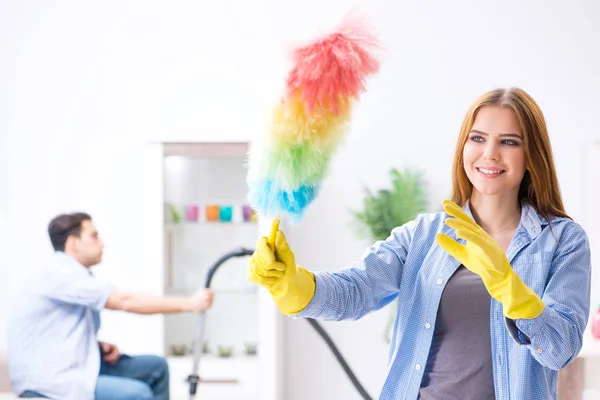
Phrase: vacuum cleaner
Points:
(193, 379)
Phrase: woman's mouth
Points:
(489, 172)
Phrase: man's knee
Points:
(159, 364)
(158, 369)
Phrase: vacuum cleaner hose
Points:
(340, 358)
(241, 252)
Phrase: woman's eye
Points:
(510, 142)
(476, 138)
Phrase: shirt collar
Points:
(64, 260)
(531, 221)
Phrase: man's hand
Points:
(110, 353)
(200, 301)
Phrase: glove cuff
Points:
(519, 300)
(299, 294)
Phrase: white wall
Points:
(83, 86)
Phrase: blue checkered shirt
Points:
(410, 266)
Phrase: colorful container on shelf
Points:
(191, 213)
(212, 212)
(226, 213)
(176, 214)
(246, 212)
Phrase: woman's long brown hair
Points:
(539, 186)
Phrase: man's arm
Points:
(146, 304)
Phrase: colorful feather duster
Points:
(287, 165)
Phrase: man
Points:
(53, 351)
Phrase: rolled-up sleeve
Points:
(556, 335)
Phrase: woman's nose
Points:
(491, 152)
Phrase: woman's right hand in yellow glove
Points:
(273, 266)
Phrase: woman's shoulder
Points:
(564, 232)
(567, 229)
(561, 225)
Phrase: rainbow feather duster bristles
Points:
(288, 164)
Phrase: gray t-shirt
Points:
(460, 359)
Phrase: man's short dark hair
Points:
(65, 225)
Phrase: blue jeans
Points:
(131, 378)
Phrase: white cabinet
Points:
(196, 211)
(591, 218)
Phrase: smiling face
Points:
(494, 155)
(489, 161)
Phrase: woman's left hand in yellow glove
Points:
(484, 257)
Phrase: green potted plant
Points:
(388, 208)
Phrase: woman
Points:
(493, 293)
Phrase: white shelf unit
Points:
(591, 223)
(181, 253)
(591, 216)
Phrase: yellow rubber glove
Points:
(484, 257)
(292, 287)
